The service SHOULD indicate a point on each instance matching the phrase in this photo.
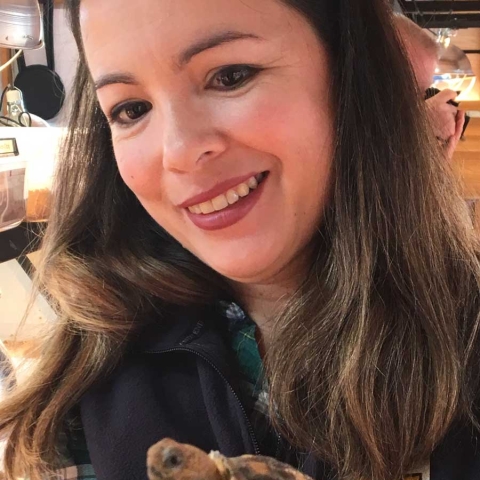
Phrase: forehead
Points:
(160, 27)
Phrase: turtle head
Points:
(169, 460)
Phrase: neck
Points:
(265, 300)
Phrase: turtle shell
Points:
(257, 467)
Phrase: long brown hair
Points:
(383, 334)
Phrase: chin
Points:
(256, 266)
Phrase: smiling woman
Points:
(254, 247)
(212, 112)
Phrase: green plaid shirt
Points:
(241, 331)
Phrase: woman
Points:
(232, 160)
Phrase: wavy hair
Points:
(383, 333)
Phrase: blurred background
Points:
(456, 26)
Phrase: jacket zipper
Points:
(209, 362)
(279, 443)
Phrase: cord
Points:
(29, 119)
(6, 64)
(19, 123)
(2, 98)
(4, 121)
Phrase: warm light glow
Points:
(458, 83)
(38, 147)
(34, 167)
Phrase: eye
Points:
(129, 113)
(233, 77)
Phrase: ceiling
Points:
(443, 13)
(460, 15)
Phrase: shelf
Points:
(469, 105)
(20, 241)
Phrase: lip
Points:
(230, 215)
(217, 190)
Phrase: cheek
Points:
(304, 150)
(275, 123)
(139, 166)
(302, 154)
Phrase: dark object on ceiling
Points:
(443, 13)
(42, 90)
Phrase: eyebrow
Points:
(113, 78)
(183, 59)
(213, 41)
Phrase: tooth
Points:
(243, 189)
(220, 202)
(229, 198)
(207, 207)
(252, 183)
(232, 197)
(195, 209)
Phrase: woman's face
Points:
(207, 98)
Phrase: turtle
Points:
(169, 460)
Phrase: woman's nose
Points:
(189, 137)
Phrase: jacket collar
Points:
(173, 327)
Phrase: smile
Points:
(230, 197)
